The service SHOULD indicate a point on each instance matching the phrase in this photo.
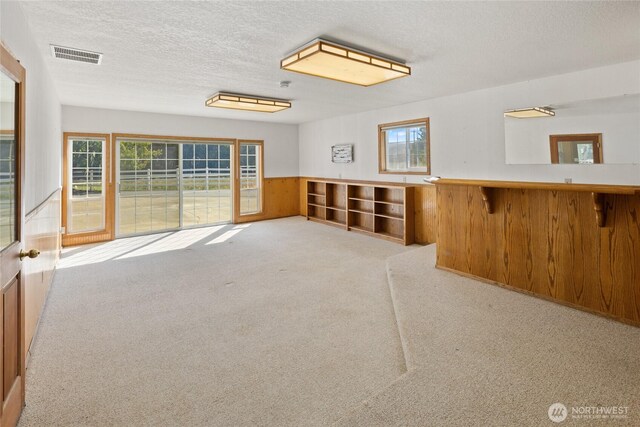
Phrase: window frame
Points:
(594, 138)
(382, 147)
(107, 232)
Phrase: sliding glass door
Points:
(168, 185)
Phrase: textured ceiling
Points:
(170, 56)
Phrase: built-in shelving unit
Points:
(381, 210)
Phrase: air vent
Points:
(72, 54)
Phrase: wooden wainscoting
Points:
(547, 242)
(281, 199)
(425, 212)
(42, 232)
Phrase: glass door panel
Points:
(149, 197)
(206, 183)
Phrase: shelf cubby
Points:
(389, 195)
(388, 210)
(336, 216)
(316, 212)
(361, 192)
(336, 196)
(390, 228)
(316, 188)
(360, 222)
(362, 206)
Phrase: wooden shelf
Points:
(599, 192)
(360, 212)
(397, 218)
(389, 203)
(363, 229)
(552, 186)
(384, 211)
(390, 235)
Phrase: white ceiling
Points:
(170, 56)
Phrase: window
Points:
(87, 188)
(403, 147)
(250, 170)
(582, 149)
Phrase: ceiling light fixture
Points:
(236, 101)
(527, 113)
(330, 60)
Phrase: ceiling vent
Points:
(72, 54)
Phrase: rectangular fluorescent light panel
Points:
(527, 113)
(247, 102)
(333, 61)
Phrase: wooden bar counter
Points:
(575, 244)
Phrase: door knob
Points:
(33, 253)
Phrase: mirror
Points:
(605, 130)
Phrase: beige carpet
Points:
(289, 322)
(278, 323)
(482, 355)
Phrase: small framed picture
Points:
(342, 153)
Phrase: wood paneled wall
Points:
(546, 243)
(42, 232)
(426, 214)
(425, 211)
(281, 199)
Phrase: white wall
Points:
(280, 140)
(42, 135)
(467, 131)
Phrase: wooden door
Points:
(12, 360)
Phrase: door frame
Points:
(594, 138)
(10, 257)
(109, 220)
(254, 216)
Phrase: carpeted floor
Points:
(482, 355)
(283, 322)
(289, 322)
